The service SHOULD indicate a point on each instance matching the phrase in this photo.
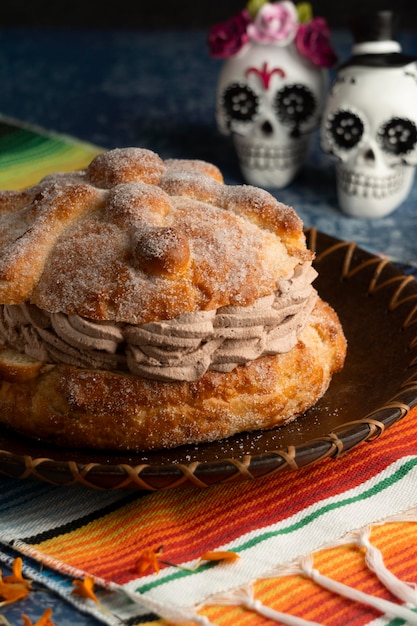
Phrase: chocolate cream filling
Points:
(181, 349)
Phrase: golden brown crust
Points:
(162, 251)
(28, 235)
(91, 408)
(135, 239)
(119, 166)
(199, 166)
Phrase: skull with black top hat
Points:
(370, 121)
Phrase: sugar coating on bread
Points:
(133, 238)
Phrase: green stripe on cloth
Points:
(27, 154)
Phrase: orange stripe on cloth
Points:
(191, 521)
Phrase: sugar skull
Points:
(370, 126)
(270, 101)
(271, 92)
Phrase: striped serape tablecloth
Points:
(339, 513)
(335, 543)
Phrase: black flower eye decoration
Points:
(294, 104)
(345, 128)
(398, 136)
(240, 103)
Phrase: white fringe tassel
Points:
(404, 591)
(384, 606)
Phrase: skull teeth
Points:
(270, 157)
(354, 184)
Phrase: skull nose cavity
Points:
(369, 156)
(266, 128)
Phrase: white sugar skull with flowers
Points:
(272, 87)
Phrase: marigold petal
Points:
(148, 559)
(17, 575)
(44, 620)
(219, 555)
(12, 592)
(85, 588)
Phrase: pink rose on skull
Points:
(228, 38)
(274, 23)
(313, 42)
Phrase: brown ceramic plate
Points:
(377, 305)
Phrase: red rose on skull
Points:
(228, 38)
(313, 42)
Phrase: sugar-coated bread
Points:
(145, 304)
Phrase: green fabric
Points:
(27, 154)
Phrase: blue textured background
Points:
(156, 89)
